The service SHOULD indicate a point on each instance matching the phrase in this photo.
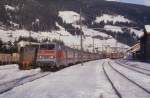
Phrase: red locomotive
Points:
(53, 56)
(116, 55)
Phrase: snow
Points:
(11, 72)
(91, 32)
(74, 41)
(14, 24)
(77, 81)
(147, 27)
(11, 77)
(10, 35)
(8, 7)
(137, 63)
(13, 66)
(141, 79)
(69, 16)
(61, 34)
(112, 18)
(87, 81)
(125, 87)
(138, 33)
(113, 28)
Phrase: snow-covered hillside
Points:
(138, 33)
(113, 28)
(69, 16)
(8, 7)
(112, 18)
(61, 34)
(88, 32)
(119, 29)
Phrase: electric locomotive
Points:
(53, 56)
(50, 55)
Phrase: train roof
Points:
(26, 43)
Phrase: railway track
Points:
(147, 73)
(140, 66)
(136, 66)
(120, 87)
(112, 84)
(129, 79)
(7, 86)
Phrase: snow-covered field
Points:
(87, 81)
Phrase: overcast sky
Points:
(142, 2)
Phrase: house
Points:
(145, 44)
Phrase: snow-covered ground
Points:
(126, 88)
(137, 63)
(87, 81)
(11, 76)
(11, 72)
(140, 78)
(78, 81)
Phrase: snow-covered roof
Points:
(147, 27)
(24, 43)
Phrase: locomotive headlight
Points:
(51, 57)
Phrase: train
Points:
(53, 56)
(9, 58)
(116, 55)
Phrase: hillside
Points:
(121, 21)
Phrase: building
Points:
(145, 44)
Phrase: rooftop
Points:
(147, 27)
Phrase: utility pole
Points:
(81, 39)
(116, 42)
(93, 43)
(30, 38)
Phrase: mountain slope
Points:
(42, 15)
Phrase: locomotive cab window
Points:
(47, 46)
